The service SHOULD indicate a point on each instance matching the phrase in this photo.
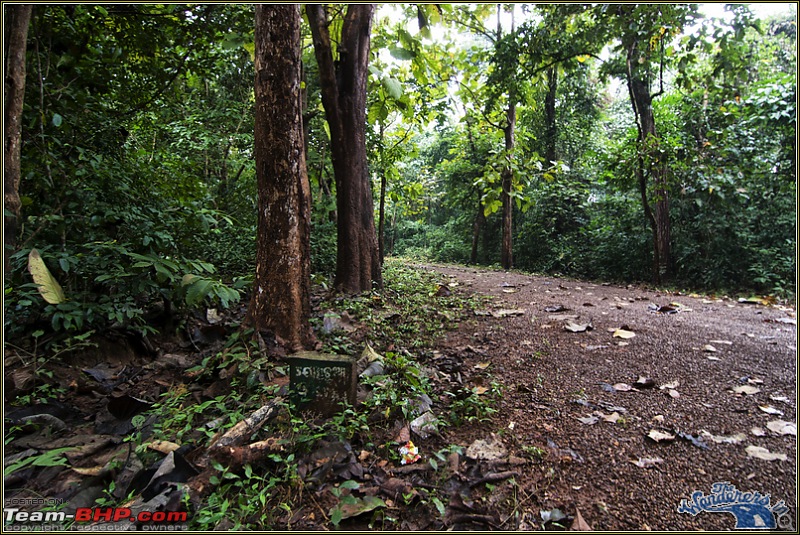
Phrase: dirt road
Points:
(714, 376)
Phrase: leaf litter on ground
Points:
(622, 333)
(577, 327)
(721, 439)
(648, 462)
(769, 409)
(763, 453)
(748, 390)
(780, 427)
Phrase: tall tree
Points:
(344, 96)
(280, 301)
(644, 34)
(503, 89)
(19, 17)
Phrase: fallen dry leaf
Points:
(660, 436)
(622, 387)
(781, 427)
(611, 418)
(505, 312)
(670, 385)
(403, 436)
(622, 333)
(708, 348)
(769, 409)
(162, 446)
(746, 389)
(482, 365)
(589, 420)
(763, 453)
(577, 327)
(579, 524)
(648, 462)
(674, 394)
(721, 439)
(91, 471)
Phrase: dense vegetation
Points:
(137, 168)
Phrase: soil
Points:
(572, 418)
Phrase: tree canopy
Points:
(602, 130)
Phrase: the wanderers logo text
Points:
(751, 509)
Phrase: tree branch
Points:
(483, 114)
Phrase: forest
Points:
(241, 182)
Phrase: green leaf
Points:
(197, 292)
(360, 506)
(439, 505)
(393, 87)
(401, 53)
(162, 273)
(50, 458)
(48, 286)
(336, 516)
(57, 119)
(350, 484)
(188, 279)
(491, 207)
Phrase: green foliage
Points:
(126, 187)
(54, 457)
(472, 405)
(408, 313)
(110, 284)
(323, 248)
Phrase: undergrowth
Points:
(402, 322)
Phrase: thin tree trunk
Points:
(477, 225)
(18, 20)
(382, 202)
(507, 245)
(551, 132)
(507, 248)
(650, 166)
(344, 97)
(280, 301)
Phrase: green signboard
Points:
(321, 383)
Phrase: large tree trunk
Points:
(651, 165)
(344, 97)
(507, 247)
(18, 18)
(280, 302)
